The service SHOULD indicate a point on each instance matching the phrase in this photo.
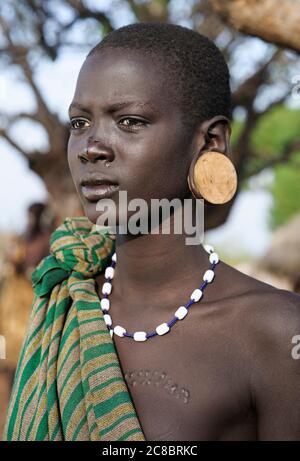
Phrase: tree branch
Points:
(34, 116)
(13, 143)
(285, 156)
(246, 93)
(275, 21)
(83, 12)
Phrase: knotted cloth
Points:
(69, 383)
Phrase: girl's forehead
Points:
(110, 76)
(118, 67)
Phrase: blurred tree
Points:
(286, 192)
(33, 28)
(276, 138)
(276, 21)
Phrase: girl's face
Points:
(123, 109)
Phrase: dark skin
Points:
(232, 354)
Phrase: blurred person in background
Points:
(21, 254)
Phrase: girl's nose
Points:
(95, 151)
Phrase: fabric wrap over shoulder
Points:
(69, 383)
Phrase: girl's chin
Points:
(99, 217)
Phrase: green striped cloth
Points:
(69, 384)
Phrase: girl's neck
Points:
(154, 263)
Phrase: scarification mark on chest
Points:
(158, 379)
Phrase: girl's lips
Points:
(95, 192)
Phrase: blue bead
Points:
(129, 335)
(172, 322)
(151, 334)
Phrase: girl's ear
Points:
(212, 175)
(217, 132)
(214, 135)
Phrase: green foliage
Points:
(275, 130)
(237, 127)
(286, 191)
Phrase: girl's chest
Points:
(163, 404)
(175, 396)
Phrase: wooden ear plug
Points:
(212, 176)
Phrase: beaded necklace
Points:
(180, 313)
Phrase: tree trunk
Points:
(275, 21)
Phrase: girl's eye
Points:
(132, 123)
(77, 123)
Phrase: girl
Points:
(183, 347)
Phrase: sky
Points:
(246, 230)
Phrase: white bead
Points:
(107, 319)
(111, 332)
(104, 304)
(109, 272)
(114, 257)
(139, 336)
(208, 248)
(213, 258)
(106, 289)
(162, 329)
(181, 312)
(196, 295)
(119, 330)
(208, 276)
